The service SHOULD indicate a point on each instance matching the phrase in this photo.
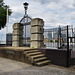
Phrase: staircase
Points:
(36, 57)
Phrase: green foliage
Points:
(32, 47)
(56, 40)
(51, 40)
(1, 3)
(3, 9)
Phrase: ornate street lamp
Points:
(25, 20)
(25, 7)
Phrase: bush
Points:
(51, 40)
(56, 40)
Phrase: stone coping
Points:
(15, 48)
(26, 48)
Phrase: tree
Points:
(3, 10)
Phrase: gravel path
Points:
(11, 67)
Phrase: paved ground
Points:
(11, 67)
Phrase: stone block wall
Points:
(37, 31)
(17, 35)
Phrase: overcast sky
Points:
(53, 12)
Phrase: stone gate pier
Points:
(17, 40)
(37, 31)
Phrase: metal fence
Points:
(71, 38)
(53, 38)
(26, 35)
(2, 37)
(59, 37)
(25, 21)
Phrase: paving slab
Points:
(11, 67)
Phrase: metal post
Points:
(6, 24)
(48, 39)
(54, 37)
(72, 32)
(7, 21)
(26, 4)
(25, 35)
(58, 39)
(60, 35)
(25, 19)
(68, 55)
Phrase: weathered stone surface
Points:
(17, 26)
(37, 37)
(37, 29)
(17, 44)
(37, 22)
(18, 32)
(17, 38)
(17, 35)
(37, 44)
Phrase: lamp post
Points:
(25, 7)
(7, 21)
(25, 21)
(6, 24)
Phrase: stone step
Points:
(42, 63)
(30, 51)
(35, 53)
(36, 56)
(40, 59)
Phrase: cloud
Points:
(53, 12)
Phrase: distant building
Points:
(9, 39)
(55, 35)
(63, 35)
(74, 35)
(50, 36)
(46, 40)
